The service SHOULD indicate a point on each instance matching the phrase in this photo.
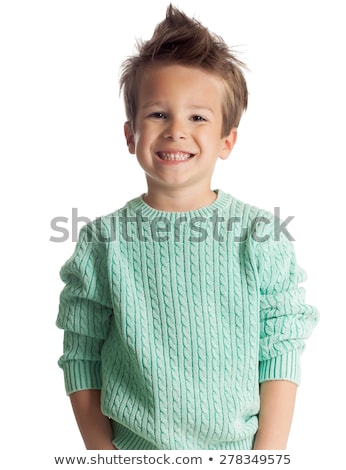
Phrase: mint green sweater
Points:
(177, 318)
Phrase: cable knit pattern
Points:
(177, 318)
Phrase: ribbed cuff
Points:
(283, 367)
(82, 375)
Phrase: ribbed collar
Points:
(138, 205)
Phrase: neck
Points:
(179, 201)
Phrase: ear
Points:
(129, 135)
(227, 143)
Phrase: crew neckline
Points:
(138, 204)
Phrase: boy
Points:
(183, 318)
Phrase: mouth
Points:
(175, 156)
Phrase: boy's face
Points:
(177, 137)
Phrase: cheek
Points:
(210, 139)
(142, 142)
(146, 135)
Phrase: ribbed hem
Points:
(80, 375)
(125, 439)
(283, 367)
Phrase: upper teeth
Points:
(174, 156)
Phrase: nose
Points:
(175, 129)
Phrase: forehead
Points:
(175, 80)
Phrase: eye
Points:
(158, 115)
(197, 118)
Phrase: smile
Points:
(174, 156)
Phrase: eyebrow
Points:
(151, 104)
(200, 107)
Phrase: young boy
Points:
(183, 318)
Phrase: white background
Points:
(62, 146)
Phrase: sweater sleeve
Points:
(285, 319)
(84, 312)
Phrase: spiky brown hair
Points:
(179, 39)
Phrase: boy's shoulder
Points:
(263, 225)
(249, 209)
(101, 228)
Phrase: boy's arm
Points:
(286, 321)
(94, 426)
(275, 416)
(85, 313)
